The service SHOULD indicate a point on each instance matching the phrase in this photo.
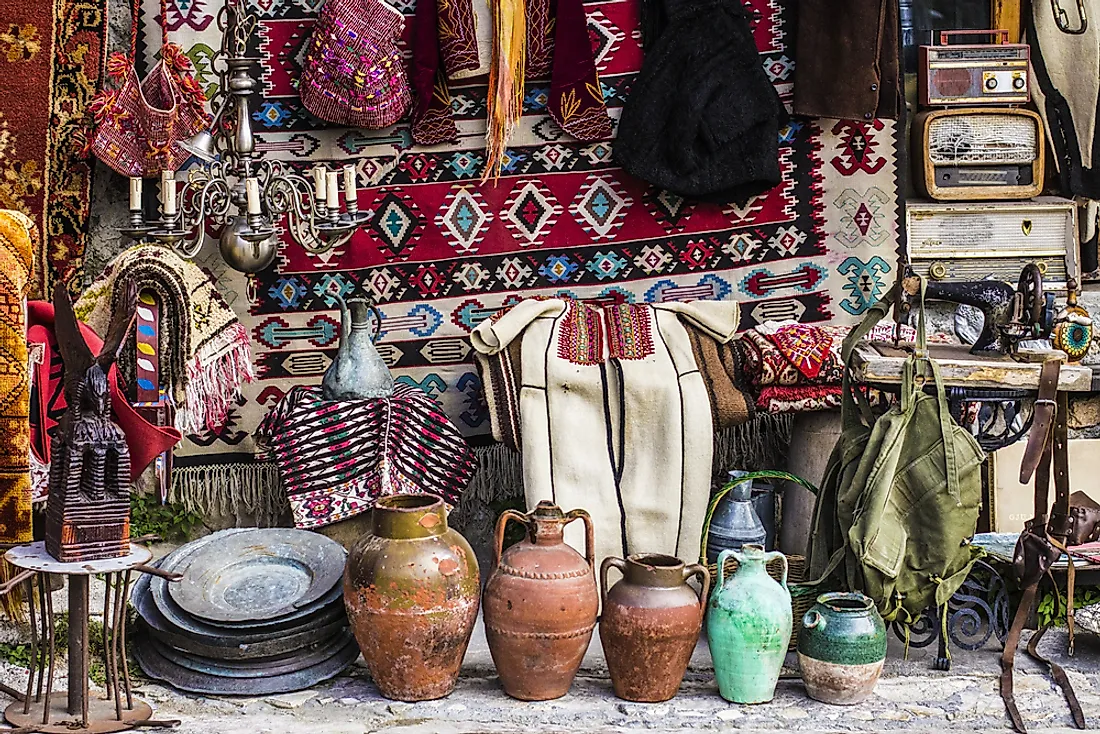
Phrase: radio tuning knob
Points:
(937, 271)
(1042, 266)
(991, 83)
(1018, 83)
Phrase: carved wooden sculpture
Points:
(88, 510)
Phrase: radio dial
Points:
(937, 271)
(991, 83)
(1018, 83)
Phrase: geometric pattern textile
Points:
(336, 457)
(51, 54)
(442, 252)
(18, 243)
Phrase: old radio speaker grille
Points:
(989, 138)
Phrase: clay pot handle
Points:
(589, 535)
(768, 557)
(502, 522)
(812, 619)
(609, 563)
(721, 580)
(698, 569)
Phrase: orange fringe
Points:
(505, 81)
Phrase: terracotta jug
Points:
(650, 623)
(540, 604)
(411, 588)
(749, 625)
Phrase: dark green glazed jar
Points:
(841, 648)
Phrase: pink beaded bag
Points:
(137, 122)
(353, 73)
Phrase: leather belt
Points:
(1042, 542)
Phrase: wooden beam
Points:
(1008, 14)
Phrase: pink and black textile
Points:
(337, 457)
(353, 73)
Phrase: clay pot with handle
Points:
(650, 624)
(540, 604)
(749, 626)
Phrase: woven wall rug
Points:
(51, 53)
(443, 252)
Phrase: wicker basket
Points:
(803, 596)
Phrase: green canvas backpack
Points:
(899, 501)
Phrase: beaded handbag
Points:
(137, 122)
(353, 73)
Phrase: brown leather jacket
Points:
(847, 59)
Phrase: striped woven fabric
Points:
(337, 457)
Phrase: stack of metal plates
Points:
(259, 611)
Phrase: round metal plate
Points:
(225, 649)
(101, 716)
(324, 611)
(260, 574)
(157, 666)
(259, 668)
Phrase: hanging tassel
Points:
(506, 80)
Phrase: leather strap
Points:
(1047, 448)
(1027, 601)
(1041, 423)
(1058, 674)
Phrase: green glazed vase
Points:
(749, 626)
(841, 648)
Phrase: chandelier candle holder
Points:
(247, 199)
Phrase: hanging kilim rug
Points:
(442, 252)
(51, 53)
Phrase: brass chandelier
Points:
(239, 193)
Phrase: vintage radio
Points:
(957, 241)
(972, 153)
(974, 74)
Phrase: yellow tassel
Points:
(506, 82)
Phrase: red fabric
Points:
(145, 440)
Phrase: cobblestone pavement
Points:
(910, 697)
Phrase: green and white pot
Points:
(841, 648)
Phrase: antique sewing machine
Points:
(991, 382)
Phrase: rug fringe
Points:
(214, 379)
(231, 490)
(761, 443)
(499, 475)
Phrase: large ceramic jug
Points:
(841, 648)
(358, 372)
(749, 626)
(540, 604)
(411, 589)
(650, 623)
